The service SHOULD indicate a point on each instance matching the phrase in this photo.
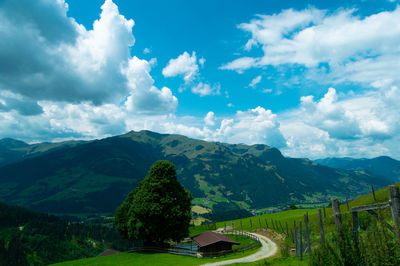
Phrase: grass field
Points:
(243, 240)
(150, 259)
(261, 221)
(200, 210)
(246, 224)
(278, 261)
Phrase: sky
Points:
(315, 79)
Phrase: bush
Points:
(377, 246)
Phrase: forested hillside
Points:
(30, 238)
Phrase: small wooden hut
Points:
(213, 242)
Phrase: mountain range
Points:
(382, 166)
(78, 177)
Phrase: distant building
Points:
(213, 242)
(108, 252)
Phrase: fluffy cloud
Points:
(311, 142)
(256, 125)
(202, 61)
(49, 56)
(204, 89)
(253, 126)
(357, 117)
(185, 65)
(188, 67)
(333, 48)
(354, 48)
(364, 125)
(255, 81)
(209, 119)
(145, 98)
(241, 64)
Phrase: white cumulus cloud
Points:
(185, 65)
(253, 126)
(363, 125)
(204, 89)
(209, 119)
(255, 81)
(64, 62)
(361, 49)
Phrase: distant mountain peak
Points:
(383, 166)
(12, 143)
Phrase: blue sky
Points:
(313, 78)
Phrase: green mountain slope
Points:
(96, 176)
(382, 166)
(12, 150)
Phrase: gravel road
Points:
(268, 249)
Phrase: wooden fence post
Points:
(301, 241)
(266, 222)
(233, 226)
(283, 230)
(292, 234)
(373, 192)
(307, 234)
(337, 216)
(354, 216)
(259, 221)
(321, 228)
(287, 230)
(394, 200)
(324, 213)
(251, 223)
(241, 226)
(347, 203)
(295, 238)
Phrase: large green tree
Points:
(159, 209)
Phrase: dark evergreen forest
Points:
(30, 238)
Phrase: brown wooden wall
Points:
(216, 247)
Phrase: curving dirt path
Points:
(268, 249)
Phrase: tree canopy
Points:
(158, 209)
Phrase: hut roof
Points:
(108, 252)
(208, 238)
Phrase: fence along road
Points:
(268, 249)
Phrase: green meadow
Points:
(247, 224)
(135, 258)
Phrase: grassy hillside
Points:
(290, 216)
(151, 259)
(382, 195)
(12, 151)
(95, 177)
(248, 224)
